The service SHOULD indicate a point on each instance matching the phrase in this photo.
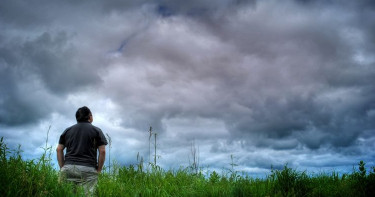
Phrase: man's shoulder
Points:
(68, 128)
(84, 125)
(96, 128)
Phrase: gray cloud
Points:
(261, 79)
(292, 78)
(34, 71)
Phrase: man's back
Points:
(82, 141)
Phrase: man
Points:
(82, 140)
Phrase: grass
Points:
(29, 178)
(38, 178)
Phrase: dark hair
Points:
(83, 114)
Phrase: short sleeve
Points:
(101, 139)
(62, 138)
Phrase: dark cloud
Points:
(29, 66)
(279, 75)
(291, 78)
(55, 62)
(18, 13)
(197, 8)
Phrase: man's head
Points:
(83, 114)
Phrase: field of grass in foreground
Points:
(38, 178)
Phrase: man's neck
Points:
(84, 121)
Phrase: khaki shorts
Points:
(80, 175)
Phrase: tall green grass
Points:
(29, 178)
(38, 178)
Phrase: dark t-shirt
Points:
(82, 141)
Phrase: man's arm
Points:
(101, 157)
(60, 155)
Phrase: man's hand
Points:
(60, 155)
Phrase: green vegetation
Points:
(39, 178)
(29, 178)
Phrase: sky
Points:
(256, 83)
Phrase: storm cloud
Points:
(266, 81)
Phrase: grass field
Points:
(38, 178)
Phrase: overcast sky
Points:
(269, 82)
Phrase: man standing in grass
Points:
(82, 141)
